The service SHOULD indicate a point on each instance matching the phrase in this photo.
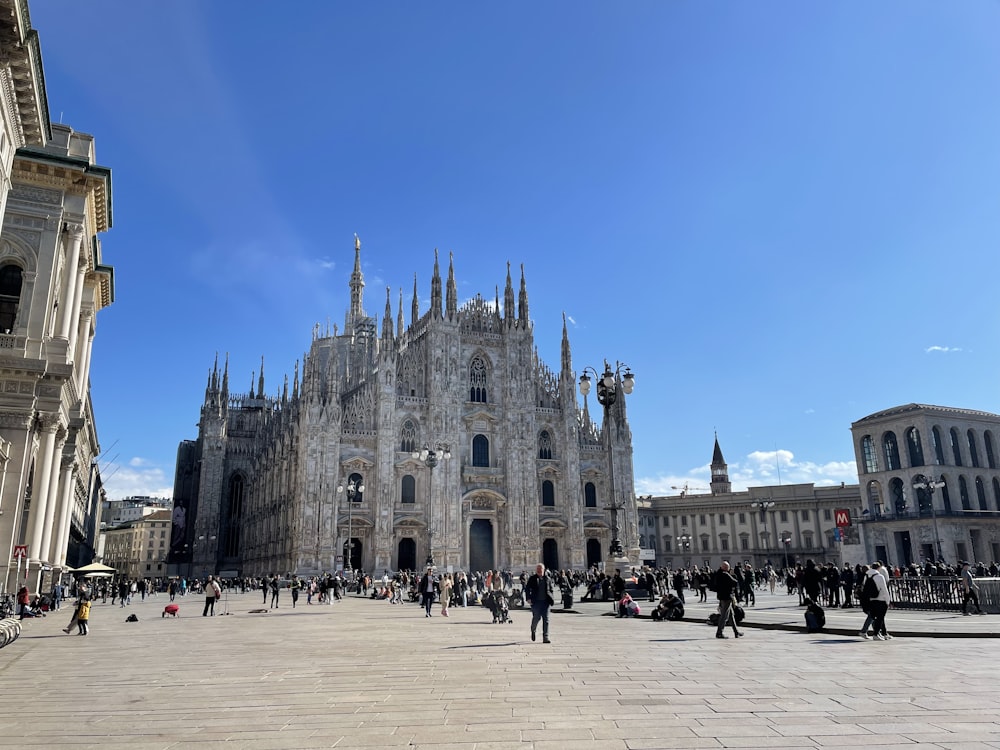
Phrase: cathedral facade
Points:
(445, 440)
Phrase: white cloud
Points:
(759, 468)
(137, 477)
(944, 349)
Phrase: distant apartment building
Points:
(138, 548)
(116, 512)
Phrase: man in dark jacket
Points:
(725, 588)
(538, 591)
(429, 587)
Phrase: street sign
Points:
(20, 550)
(842, 516)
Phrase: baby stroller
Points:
(496, 602)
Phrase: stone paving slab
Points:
(365, 674)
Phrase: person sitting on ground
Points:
(627, 607)
(815, 616)
(669, 608)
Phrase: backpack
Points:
(870, 589)
(132, 618)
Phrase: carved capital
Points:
(74, 230)
(48, 422)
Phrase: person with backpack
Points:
(875, 590)
(726, 587)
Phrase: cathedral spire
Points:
(508, 298)
(284, 392)
(387, 319)
(357, 284)
(260, 381)
(415, 305)
(253, 377)
(720, 471)
(399, 318)
(295, 383)
(436, 289)
(225, 382)
(496, 308)
(567, 360)
(452, 302)
(522, 302)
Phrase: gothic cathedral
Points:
(446, 441)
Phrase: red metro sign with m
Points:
(842, 516)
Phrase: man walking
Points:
(970, 590)
(725, 586)
(539, 593)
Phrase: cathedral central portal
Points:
(481, 545)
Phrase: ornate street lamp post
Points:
(431, 457)
(684, 542)
(353, 490)
(608, 386)
(764, 505)
(929, 485)
(786, 539)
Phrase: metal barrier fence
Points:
(942, 593)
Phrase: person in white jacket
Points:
(879, 604)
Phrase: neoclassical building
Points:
(899, 452)
(443, 438)
(776, 524)
(56, 202)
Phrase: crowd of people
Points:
(817, 585)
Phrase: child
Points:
(83, 616)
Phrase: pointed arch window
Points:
(544, 445)
(358, 481)
(870, 454)
(408, 437)
(479, 381)
(891, 450)
(973, 451)
(481, 451)
(232, 521)
(915, 447)
(956, 448)
(938, 446)
(548, 494)
(10, 296)
(589, 495)
(991, 459)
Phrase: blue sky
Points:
(782, 215)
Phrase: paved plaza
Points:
(369, 674)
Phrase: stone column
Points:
(81, 276)
(48, 423)
(70, 301)
(53, 502)
(67, 483)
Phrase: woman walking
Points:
(446, 586)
